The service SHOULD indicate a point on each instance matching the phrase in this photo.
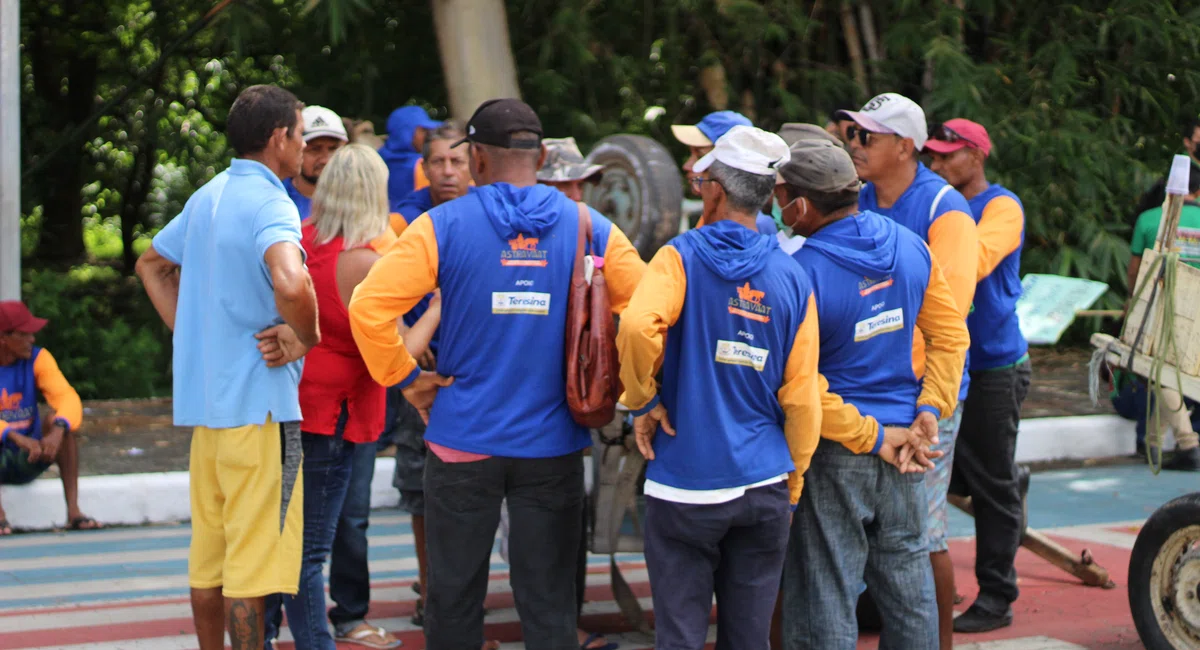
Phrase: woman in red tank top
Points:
(341, 404)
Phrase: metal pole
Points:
(10, 150)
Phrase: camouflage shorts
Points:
(937, 481)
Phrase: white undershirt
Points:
(704, 497)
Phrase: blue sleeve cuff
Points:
(62, 422)
(878, 441)
(930, 409)
(647, 408)
(412, 376)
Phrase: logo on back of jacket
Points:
(748, 303)
(11, 410)
(869, 286)
(523, 251)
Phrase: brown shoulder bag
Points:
(593, 381)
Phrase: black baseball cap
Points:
(496, 120)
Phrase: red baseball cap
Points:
(15, 317)
(958, 133)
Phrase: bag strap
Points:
(585, 230)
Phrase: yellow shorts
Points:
(247, 509)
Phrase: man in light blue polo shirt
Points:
(227, 275)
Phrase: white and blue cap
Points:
(749, 149)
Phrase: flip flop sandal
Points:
(84, 523)
(587, 644)
(359, 637)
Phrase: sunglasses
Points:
(864, 137)
(699, 181)
(944, 133)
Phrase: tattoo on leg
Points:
(245, 628)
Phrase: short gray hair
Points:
(746, 191)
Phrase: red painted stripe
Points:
(173, 626)
(117, 603)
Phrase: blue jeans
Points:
(1130, 403)
(859, 520)
(326, 473)
(349, 578)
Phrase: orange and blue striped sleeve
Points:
(623, 269)
(652, 309)
(68, 408)
(999, 233)
(396, 283)
(944, 334)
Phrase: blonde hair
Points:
(351, 199)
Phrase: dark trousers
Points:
(462, 512)
(985, 469)
(734, 550)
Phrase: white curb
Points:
(163, 497)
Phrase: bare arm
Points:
(418, 337)
(160, 277)
(294, 295)
(1135, 265)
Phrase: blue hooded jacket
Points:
(869, 277)
(398, 150)
(505, 258)
(724, 360)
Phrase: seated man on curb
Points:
(29, 442)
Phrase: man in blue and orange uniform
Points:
(499, 427)
(885, 140)
(984, 461)
(324, 134)
(874, 283)
(407, 126)
(448, 172)
(732, 321)
(699, 139)
(29, 441)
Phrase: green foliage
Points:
(106, 336)
(1076, 96)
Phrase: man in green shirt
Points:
(1187, 238)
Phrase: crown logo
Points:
(750, 295)
(523, 243)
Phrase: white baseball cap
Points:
(892, 113)
(320, 122)
(749, 149)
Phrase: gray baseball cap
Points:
(820, 166)
(793, 132)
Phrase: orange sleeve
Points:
(843, 422)
(623, 269)
(800, 398)
(653, 308)
(396, 283)
(955, 244)
(384, 241)
(399, 223)
(57, 391)
(999, 232)
(944, 334)
(420, 181)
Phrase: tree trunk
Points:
(854, 47)
(477, 59)
(870, 38)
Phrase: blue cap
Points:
(710, 129)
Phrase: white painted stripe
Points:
(1098, 533)
(116, 586)
(1026, 643)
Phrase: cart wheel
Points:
(641, 190)
(1164, 577)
